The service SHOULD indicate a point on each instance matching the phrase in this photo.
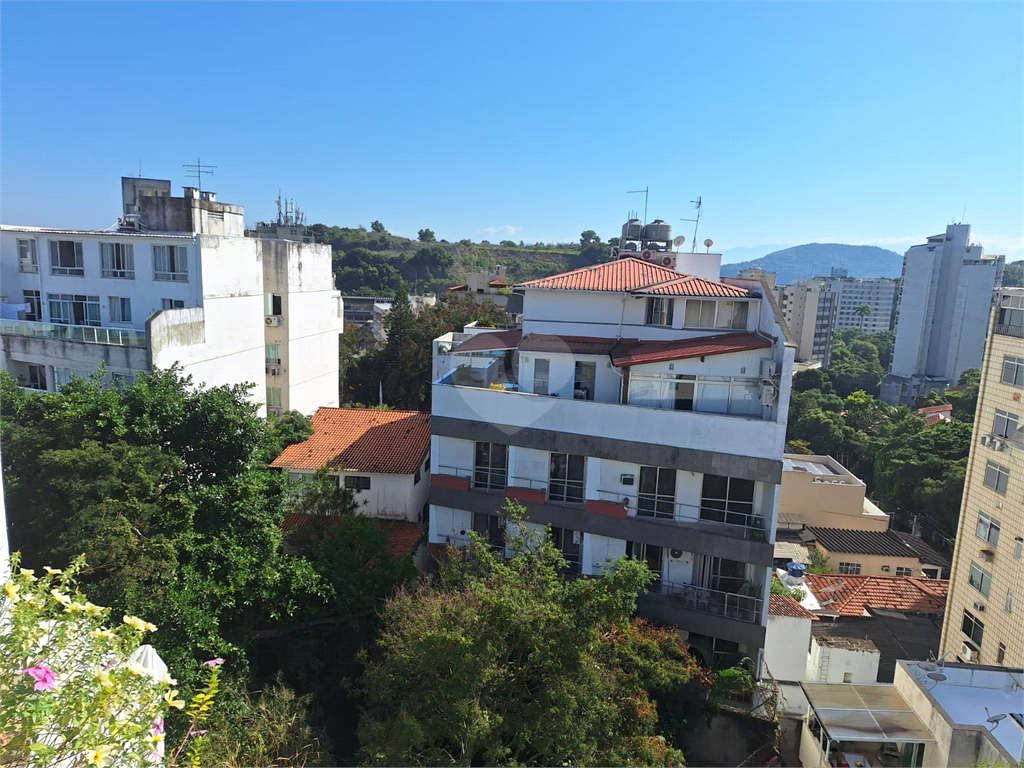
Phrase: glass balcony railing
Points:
(122, 337)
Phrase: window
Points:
(118, 260)
(653, 555)
(173, 303)
(583, 386)
(727, 500)
(37, 377)
(357, 483)
(273, 397)
(850, 568)
(973, 628)
(1018, 546)
(657, 497)
(491, 529)
(272, 305)
(988, 529)
(416, 477)
(120, 309)
(1013, 371)
(72, 309)
(1009, 601)
(122, 381)
(273, 354)
(541, 377)
(170, 262)
(35, 311)
(997, 477)
(1001, 654)
(66, 258)
(1005, 424)
(570, 544)
(980, 579)
(716, 314)
(659, 311)
(901, 571)
(847, 677)
(28, 258)
(566, 478)
(490, 467)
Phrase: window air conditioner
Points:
(274, 320)
(979, 607)
(627, 479)
(273, 370)
(988, 555)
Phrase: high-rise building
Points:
(809, 308)
(852, 293)
(177, 282)
(946, 295)
(984, 621)
(640, 411)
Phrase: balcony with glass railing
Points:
(123, 337)
(744, 604)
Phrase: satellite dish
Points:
(927, 666)
(709, 242)
(677, 241)
(938, 677)
(996, 718)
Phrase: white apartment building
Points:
(879, 293)
(946, 296)
(176, 282)
(640, 411)
(809, 309)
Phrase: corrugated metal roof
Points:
(490, 341)
(361, 440)
(640, 352)
(636, 276)
(865, 713)
(890, 543)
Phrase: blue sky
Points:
(832, 122)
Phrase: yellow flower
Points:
(104, 677)
(155, 738)
(173, 702)
(12, 590)
(168, 680)
(100, 756)
(28, 572)
(136, 669)
(102, 633)
(136, 623)
(52, 571)
(74, 608)
(92, 610)
(60, 597)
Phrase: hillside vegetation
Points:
(805, 261)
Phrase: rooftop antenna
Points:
(696, 222)
(646, 191)
(197, 170)
(964, 214)
(140, 167)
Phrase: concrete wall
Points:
(874, 564)
(830, 664)
(728, 738)
(828, 501)
(390, 496)
(785, 647)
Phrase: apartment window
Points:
(272, 305)
(1001, 654)
(973, 628)
(997, 477)
(491, 529)
(657, 497)
(170, 262)
(416, 477)
(172, 304)
(1005, 424)
(716, 314)
(980, 579)
(273, 397)
(33, 299)
(653, 555)
(565, 478)
(122, 381)
(988, 529)
(118, 260)
(273, 354)
(357, 483)
(727, 500)
(66, 258)
(1018, 546)
(541, 377)
(850, 568)
(1009, 601)
(1013, 371)
(583, 386)
(901, 571)
(120, 309)
(490, 466)
(73, 309)
(28, 258)
(37, 377)
(570, 544)
(659, 311)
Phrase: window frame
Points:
(175, 258)
(275, 397)
(356, 483)
(660, 503)
(35, 299)
(542, 382)
(989, 524)
(1000, 476)
(57, 267)
(850, 569)
(172, 303)
(276, 359)
(660, 311)
(490, 474)
(68, 301)
(738, 313)
(1008, 604)
(973, 628)
(1005, 424)
(490, 528)
(28, 262)
(580, 381)
(905, 571)
(980, 579)
(1013, 371)
(711, 506)
(121, 303)
(117, 261)
(563, 485)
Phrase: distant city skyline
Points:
(856, 123)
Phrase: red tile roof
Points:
(634, 275)
(498, 283)
(639, 352)
(487, 341)
(784, 605)
(944, 408)
(577, 345)
(362, 440)
(462, 287)
(404, 534)
(849, 595)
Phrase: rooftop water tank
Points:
(632, 230)
(796, 570)
(658, 230)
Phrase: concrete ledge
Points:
(526, 495)
(449, 481)
(606, 508)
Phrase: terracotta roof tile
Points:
(498, 283)
(634, 275)
(362, 440)
(784, 605)
(640, 352)
(404, 534)
(887, 543)
(462, 287)
(945, 408)
(849, 595)
(577, 345)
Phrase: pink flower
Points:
(196, 733)
(158, 727)
(43, 676)
(214, 662)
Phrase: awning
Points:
(875, 713)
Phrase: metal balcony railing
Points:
(122, 337)
(731, 605)
(1010, 330)
(557, 492)
(749, 525)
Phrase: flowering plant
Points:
(75, 689)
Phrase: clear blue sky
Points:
(857, 122)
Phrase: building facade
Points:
(176, 283)
(984, 621)
(852, 293)
(819, 491)
(809, 309)
(641, 412)
(946, 296)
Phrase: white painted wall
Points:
(447, 523)
(827, 664)
(785, 647)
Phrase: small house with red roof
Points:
(382, 456)
(485, 286)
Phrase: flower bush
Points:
(72, 691)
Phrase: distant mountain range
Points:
(804, 261)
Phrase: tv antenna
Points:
(645, 190)
(197, 170)
(697, 204)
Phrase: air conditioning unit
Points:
(768, 368)
(968, 652)
(766, 393)
(273, 370)
(627, 479)
(988, 555)
(986, 439)
(979, 607)
(649, 255)
(274, 320)
(669, 262)
(998, 445)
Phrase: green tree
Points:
(863, 312)
(376, 226)
(286, 429)
(592, 250)
(508, 663)
(426, 236)
(1013, 274)
(819, 562)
